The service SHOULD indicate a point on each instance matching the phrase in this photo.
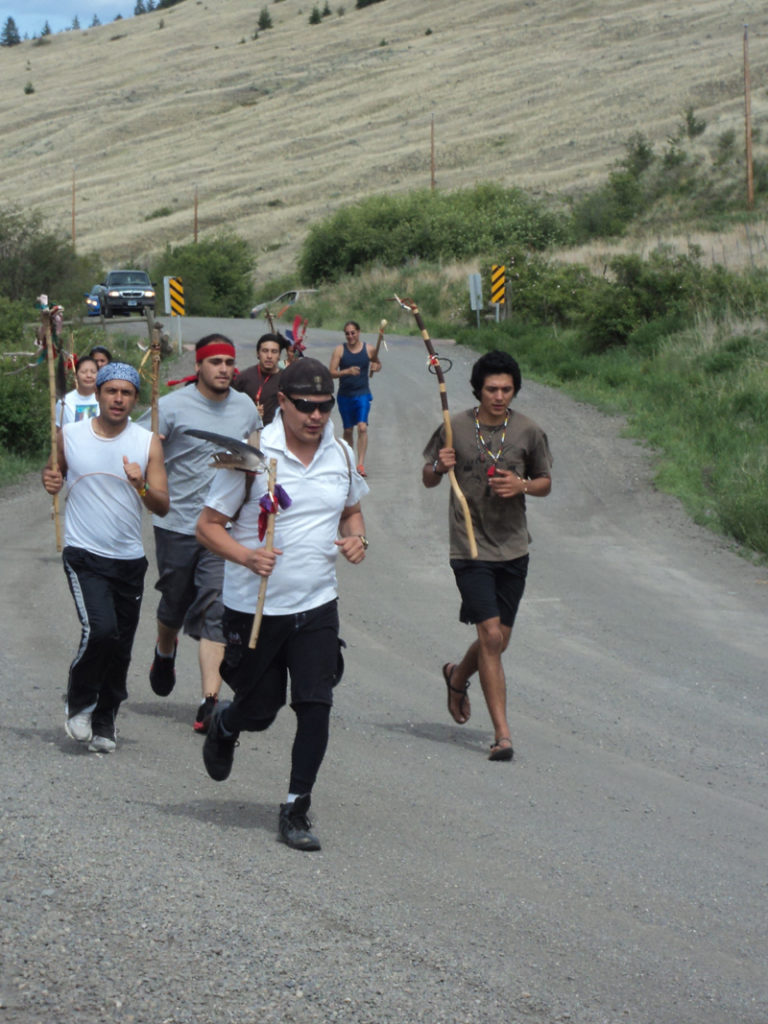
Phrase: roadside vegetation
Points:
(669, 338)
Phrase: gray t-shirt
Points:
(500, 526)
(187, 459)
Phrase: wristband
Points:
(435, 469)
(143, 489)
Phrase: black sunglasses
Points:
(305, 405)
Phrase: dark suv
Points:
(127, 291)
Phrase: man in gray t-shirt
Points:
(190, 576)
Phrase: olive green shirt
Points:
(501, 529)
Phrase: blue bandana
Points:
(118, 371)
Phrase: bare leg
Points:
(166, 639)
(484, 656)
(492, 640)
(362, 443)
(210, 655)
(349, 436)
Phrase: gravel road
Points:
(615, 871)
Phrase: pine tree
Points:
(10, 34)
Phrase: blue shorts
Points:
(490, 590)
(354, 409)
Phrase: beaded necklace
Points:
(483, 445)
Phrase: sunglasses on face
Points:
(306, 405)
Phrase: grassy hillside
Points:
(276, 131)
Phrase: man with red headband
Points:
(190, 576)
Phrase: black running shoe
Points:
(295, 826)
(162, 674)
(203, 717)
(219, 749)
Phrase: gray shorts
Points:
(190, 580)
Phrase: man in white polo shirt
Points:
(299, 634)
(114, 470)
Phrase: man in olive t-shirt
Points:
(499, 458)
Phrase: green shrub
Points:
(217, 275)
(426, 225)
(693, 125)
(161, 211)
(13, 319)
(606, 212)
(25, 411)
(33, 260)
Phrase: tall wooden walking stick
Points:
(155, 351)
(434, 366)
(46, 318)
(268, 545)
(379, 340)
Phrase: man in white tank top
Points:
(113, 469)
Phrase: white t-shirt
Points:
(103, 511)
(74, 407)
(305, 574)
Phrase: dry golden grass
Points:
(279, 131)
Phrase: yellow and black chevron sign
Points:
(497, 283)
(176, 291)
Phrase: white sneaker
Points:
(78, 727)
(102, 745)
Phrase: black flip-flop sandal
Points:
(447, 676)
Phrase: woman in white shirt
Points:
(81, 403)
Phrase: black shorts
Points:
(490, 590)
(305, 646)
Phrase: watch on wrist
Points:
(435, 469)
(363, 541)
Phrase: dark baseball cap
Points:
(306, 376)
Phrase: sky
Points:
(31, 15)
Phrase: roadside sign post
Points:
(498, 287)
(476, 294)
(173, 293)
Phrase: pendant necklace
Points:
(483, 445)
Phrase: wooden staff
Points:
(46, 318)
(269, 544)
(434, 363)
(379, 340)
(155, 351)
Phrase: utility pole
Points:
(74, 167)
(748, 123)
(432, 181)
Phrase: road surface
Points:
(615, 871)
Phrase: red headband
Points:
(214, 348)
